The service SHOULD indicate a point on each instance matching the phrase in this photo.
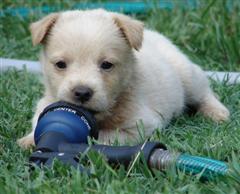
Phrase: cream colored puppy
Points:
(109, 63)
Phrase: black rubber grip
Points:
(114, 154)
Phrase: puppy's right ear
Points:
(40, 29)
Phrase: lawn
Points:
(209, 35)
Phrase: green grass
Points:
(209, 36)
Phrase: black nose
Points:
(82, 93)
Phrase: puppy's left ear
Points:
(132, 29)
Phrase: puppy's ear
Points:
(132, 29)
(40, 29)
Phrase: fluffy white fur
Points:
(151, 81)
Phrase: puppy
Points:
(109, 63)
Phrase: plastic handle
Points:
(114, 154)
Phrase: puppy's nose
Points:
(82, 93)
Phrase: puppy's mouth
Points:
(91, 110)
(87, 107)
(94, 112)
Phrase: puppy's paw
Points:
(215, 110)
(217, 114)
(26, 142)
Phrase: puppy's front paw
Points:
(26, 142)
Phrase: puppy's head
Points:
(88, 55)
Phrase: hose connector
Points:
(161, 159)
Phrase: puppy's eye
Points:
(61, 65)
(107, 66)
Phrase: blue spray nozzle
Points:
(72, 123)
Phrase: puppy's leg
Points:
(211, 107)
(199, 93)
(194, 80)
(122, 136)
(125, 135)
(28, 140)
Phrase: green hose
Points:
(195, 165)
(207, 168)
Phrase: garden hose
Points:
(208, 168)
(63, 130)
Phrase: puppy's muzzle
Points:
(82, 94)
